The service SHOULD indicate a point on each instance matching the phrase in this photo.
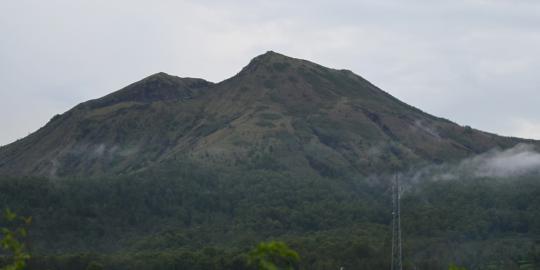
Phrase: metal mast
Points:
(396, 225)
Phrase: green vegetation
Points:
(348, 124)
(179, 173)
(266, 124)
(281, 67)
(15, 253)
(270, 83)
(453, 267)
(191, 217)
(273, 256)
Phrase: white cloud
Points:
(517, 161)
(520, 160)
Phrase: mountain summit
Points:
(277, 113)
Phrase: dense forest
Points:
(190, 217)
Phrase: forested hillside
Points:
(191, 220)
(181, 173)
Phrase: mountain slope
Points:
(181, 173)
(279, 113)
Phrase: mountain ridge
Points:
(282, 112)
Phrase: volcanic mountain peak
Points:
(280, 62)
(271, 56)
(273, 62)
(157, 87)
(278, 113)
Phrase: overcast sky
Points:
(475, 62)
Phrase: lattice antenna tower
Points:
(396, 225)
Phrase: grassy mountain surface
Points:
(181, 173)
(284, 112)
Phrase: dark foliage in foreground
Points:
(192, 218)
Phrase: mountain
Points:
(278, 112)
(182, 173)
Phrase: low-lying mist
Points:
(521, 160)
